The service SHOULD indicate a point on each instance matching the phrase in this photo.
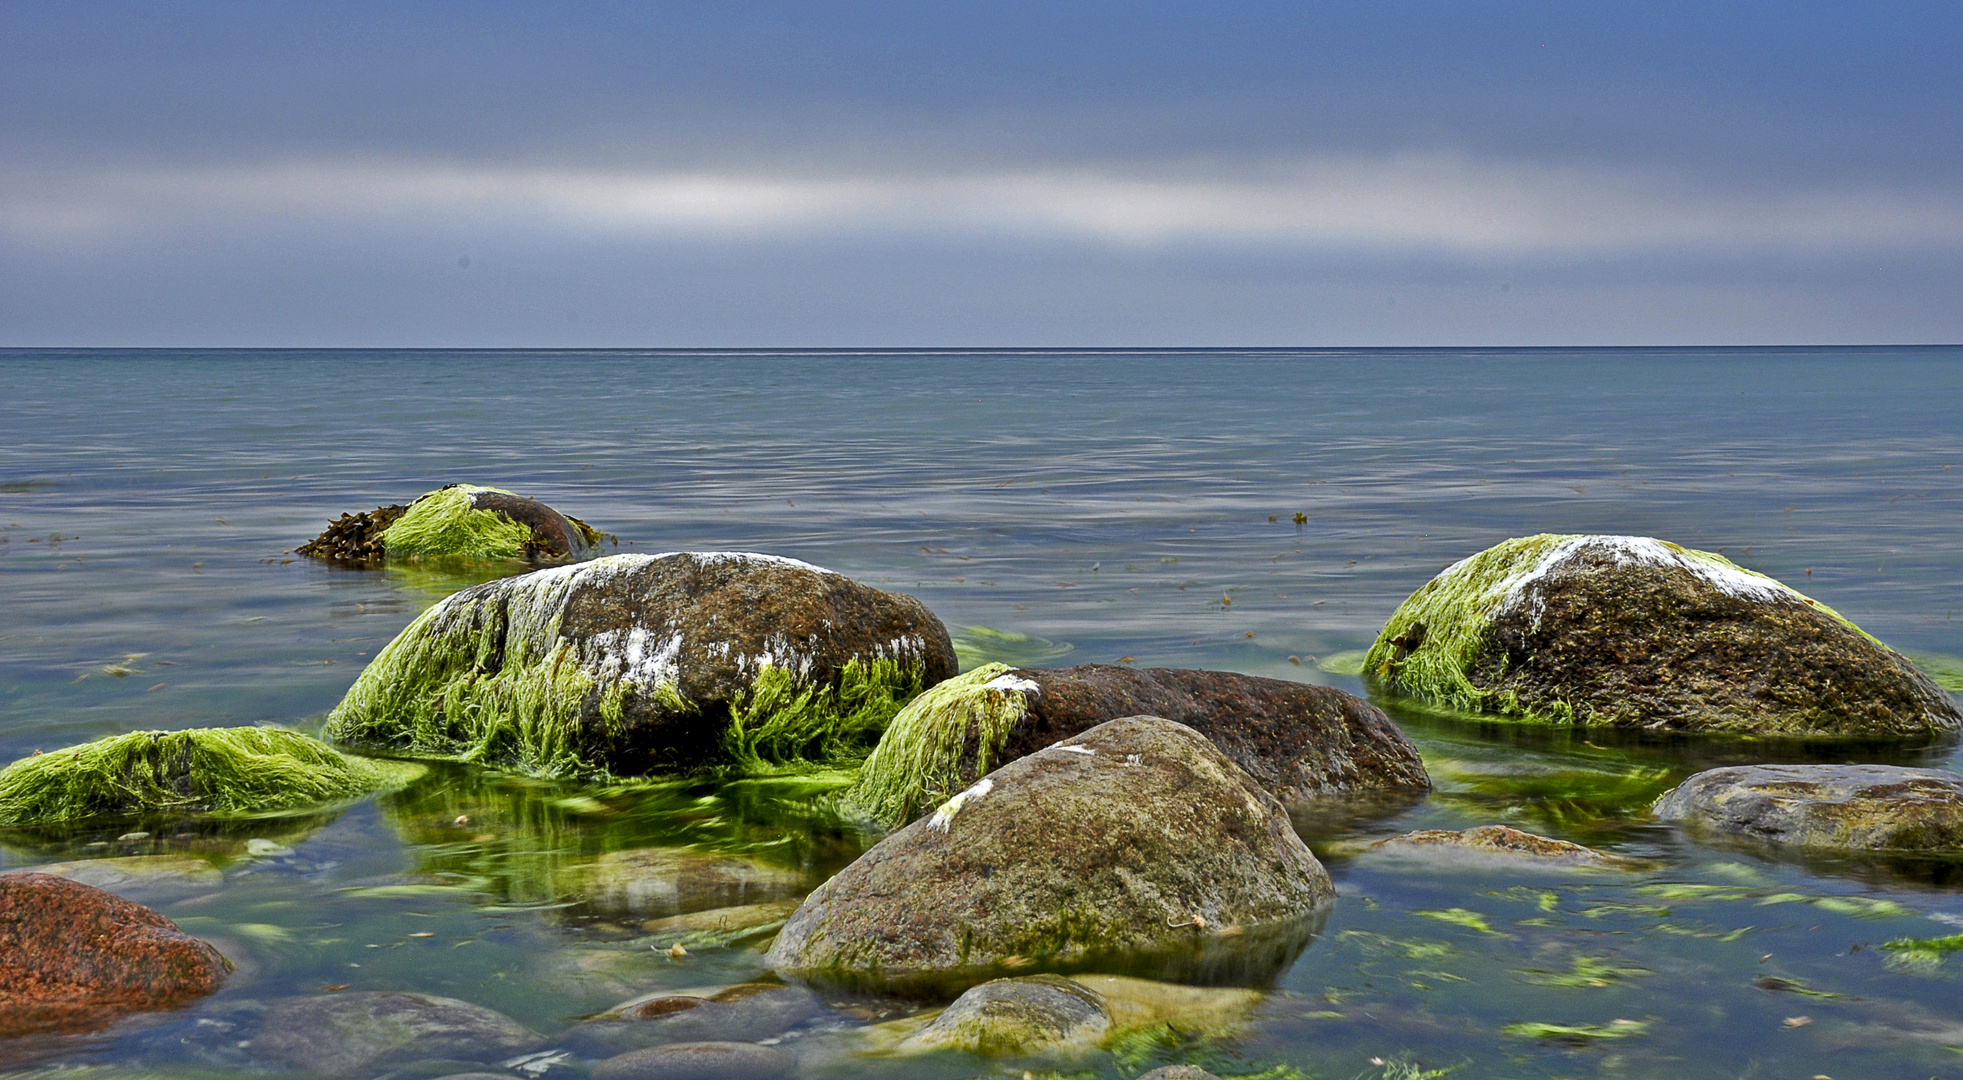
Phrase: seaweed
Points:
(919, 760)
(210, 770)
(784, 723)
(1578, 1033)
(446, 523)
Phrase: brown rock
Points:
(73, 957)
(1299, 741)
(1500, 840)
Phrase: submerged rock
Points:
(653, 882)
(1829, 807)
(73, 957)
(202, 770)
(344, 1033)
(1299, 741)
(1136, 842)
(746, 1011)
(1499, 840)
(458, 521)
(697, 1061)
(1179, 1072)
(1028, 1015)
(1626, 631)
(632, 663)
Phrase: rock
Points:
(1194, 1010)
(1626, 631)
(697, 1061)
(153, 876)
(461, 521)
(719, 926)
(671, 881)
(1029, 1015)
(1839, 807)
(746, 1011)
(632, 663)
(1179, 1072)
(1301, 742)
(73, 957)
(1135, 839)
(344, 1033)
(1498, 840)
(216, 770)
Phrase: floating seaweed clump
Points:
(210, 770)
(920, 759)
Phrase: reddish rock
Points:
(73, 957)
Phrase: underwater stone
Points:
(1136, 841)
(1626, 631)
(73, 957)
(459, 521)
(632, 663)
(1500, 840)
(1301, 742)
(344, 1033)
(743, 1012)
(655, 882)
(200, 770)
(1029, 1015)
(1828, 807)
(1179, 1072)
(697, 1061)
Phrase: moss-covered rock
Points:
(1879, 808)
(201, 770)
(1136, 843)
(459, 521)
(1029, 1015)
(1626, 631)
(633, 663)
(1301, 742)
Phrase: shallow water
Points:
(1077, 508)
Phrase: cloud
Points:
(1436, 204)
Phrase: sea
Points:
(1259, 511)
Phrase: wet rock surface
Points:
(73, 957)
(745, 1012)
(1137, 838)
(1029, 1015)
(1855, 808)
(697, 1061)
(1498, 840)
(1632, 632)
(668, 882)
(341, 1034)
(634, 663)
(1297, 740)
(1178, 1072)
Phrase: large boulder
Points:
(200, 770)
(632, 663)
(1626, 631)
(74, 957)
(1136, 843)
(1880, 808)
(1300, 742)
(339, 1034)
(458, 521)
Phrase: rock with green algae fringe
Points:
(1829, 807)
(1136, 843)
(1626, 631)
(461, 521)
(201, 770)
(1301, 742)
(630, 664)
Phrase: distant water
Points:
(1254, 511)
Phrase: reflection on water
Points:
(1089, 508)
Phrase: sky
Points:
(841, 175)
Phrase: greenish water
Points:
(1052, 509)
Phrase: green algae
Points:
(1584, 971)
(208, 770)
(1614, 1029)
(1437, 636)
(784, 723)
(919, 760)
(1947, 671)
(1350, 662)
(978, 645)
(1471, 920)
(444, 523)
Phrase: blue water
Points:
(1105, 505)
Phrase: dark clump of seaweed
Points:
(354, 538)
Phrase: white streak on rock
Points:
(944, 817)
